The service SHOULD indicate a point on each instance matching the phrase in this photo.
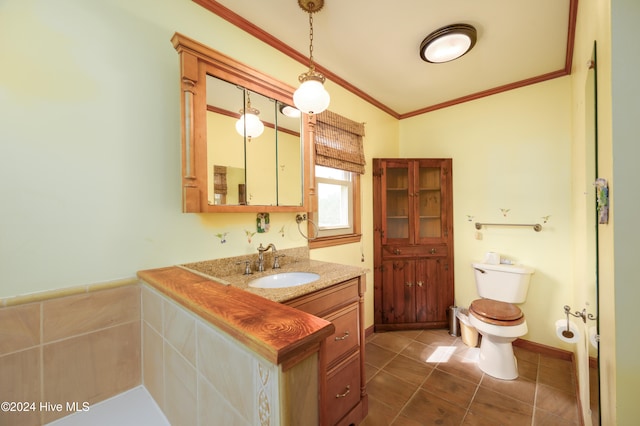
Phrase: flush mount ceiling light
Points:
(249, 124)
(289, 111)
(311, 97)
(448, 43)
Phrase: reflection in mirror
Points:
(267, 167)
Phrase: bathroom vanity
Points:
(318, 326)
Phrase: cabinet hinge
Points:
(446, 266)
(378, 172)
(446, 233)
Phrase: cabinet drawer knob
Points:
(346, 392)
(419, 283)
(432, 251)
(344, 336)
(409, 284)
(396, 251)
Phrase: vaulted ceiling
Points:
(372, 47)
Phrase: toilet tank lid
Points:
(514, 269)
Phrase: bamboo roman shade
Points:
(339, 142)
(220, 180)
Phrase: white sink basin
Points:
(284, 279)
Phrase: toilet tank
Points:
(506, 283)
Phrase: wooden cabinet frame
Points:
(196, 61)
(413, 243)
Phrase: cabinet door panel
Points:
(398, 291)
(387, 299)
(430, 289)
(396, 205)
(432, 192)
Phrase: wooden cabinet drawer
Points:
(343, 388)
(347, 335)
(323, 302)
(436, 250)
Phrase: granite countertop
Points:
(229, 272)
(217, 291)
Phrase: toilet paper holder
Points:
(578, 314)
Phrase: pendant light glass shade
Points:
(249, 125)
(311, 97)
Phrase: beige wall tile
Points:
(152, 307)
(83, 313)
(20, 381)
(180, 331)
(180, 388)
(92, 367)
(153, 364)
(19, 327)
(213, 409)
(228, 368)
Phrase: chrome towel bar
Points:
(536, 226)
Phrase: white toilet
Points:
(497, 318)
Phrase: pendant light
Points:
(249, 124)
(311, 97)
(448, 43)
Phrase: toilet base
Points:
(497, 359)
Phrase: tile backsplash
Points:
(61, 352)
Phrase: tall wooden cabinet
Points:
(413, 243)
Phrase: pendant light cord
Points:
(311, 64)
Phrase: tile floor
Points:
(425, 377)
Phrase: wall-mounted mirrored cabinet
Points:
(243, 146)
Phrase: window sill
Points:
(334, 240)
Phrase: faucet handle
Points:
(276, 262)
(247, 266)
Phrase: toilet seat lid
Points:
(496, 312)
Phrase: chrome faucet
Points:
(261, 250)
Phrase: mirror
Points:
(591, 139)
(247, 168)
(226, 167)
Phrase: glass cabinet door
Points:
(429, 203)
(396, 206)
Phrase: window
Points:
(335, 206)
(339, 159)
